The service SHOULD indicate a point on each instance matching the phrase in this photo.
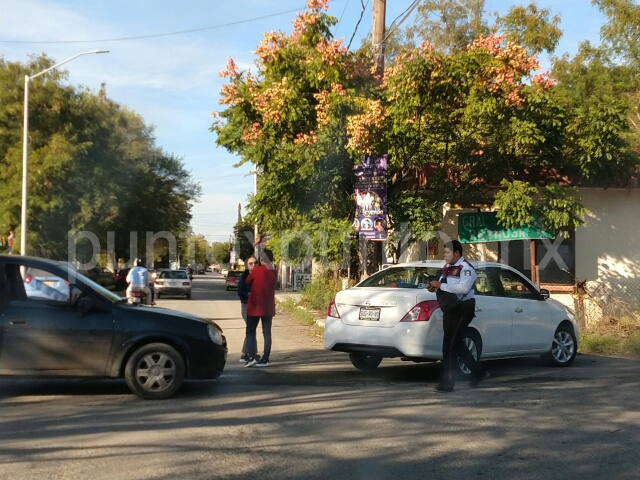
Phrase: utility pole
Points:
(255, 227)
(379, 19)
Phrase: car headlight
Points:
(214, 335)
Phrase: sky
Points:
(172, 81)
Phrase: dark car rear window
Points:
(234, 273)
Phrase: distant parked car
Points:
(224, 272)
(174, 283)
(102, 276)
(232, 280)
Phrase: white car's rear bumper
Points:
(406, 339)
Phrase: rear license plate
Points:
(371, 314)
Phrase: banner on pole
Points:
(370, 194)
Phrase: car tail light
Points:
(185, 284)
(136, 294)
(159, 282)
(421, 312)
(332, 311)
(28, 279)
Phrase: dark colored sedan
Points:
(56, 322)
(102, 276)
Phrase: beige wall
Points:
(608, 246)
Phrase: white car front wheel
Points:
(564, 347)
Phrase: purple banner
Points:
(370, 194)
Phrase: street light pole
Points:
(25, 145)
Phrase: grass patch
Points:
(317, 294)
(610, 345)
(289, 307)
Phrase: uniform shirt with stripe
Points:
(459, 278)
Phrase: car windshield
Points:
(402, 277)
(108, 295)
(174, 274)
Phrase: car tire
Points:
(226, 288)
(167, 365)
(188, 296)
(365, 362)
(473, 342)
(564, 347)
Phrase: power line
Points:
(340, 21)
(157, 35)
(364, 8)
(397, 22)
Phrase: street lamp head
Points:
(101, 51)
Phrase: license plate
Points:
(371, 314)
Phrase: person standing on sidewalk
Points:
(261, 306)
(11, 240)
(455, 294)
(243, 292)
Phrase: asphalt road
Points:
(312, 415)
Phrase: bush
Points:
(609, 344)
(317, 294)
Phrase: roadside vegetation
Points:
(612, 336)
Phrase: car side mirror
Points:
(544, 293)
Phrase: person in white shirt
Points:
(455, 294)
(138, 280)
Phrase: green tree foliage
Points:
(221, 252)
(93, 166)
(532, 27)
(289, 120)
(449, 25)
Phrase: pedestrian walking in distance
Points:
(244, 291)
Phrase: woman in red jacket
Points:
(261, 306)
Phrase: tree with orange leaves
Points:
(288, 118)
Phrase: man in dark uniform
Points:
(455, 294)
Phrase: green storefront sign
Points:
(484, 227)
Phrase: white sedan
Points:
(392, 314)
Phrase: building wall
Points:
(608, 246)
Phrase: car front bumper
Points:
(207, 360)
(172, 290)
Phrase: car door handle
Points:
(518, 310)
(478, 310)
(18, 322)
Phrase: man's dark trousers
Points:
(455, 320)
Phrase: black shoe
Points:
(444, 387)
(477, 380)
(262, 363)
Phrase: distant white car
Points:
(42, 285)
(224, 272)
(392, 314)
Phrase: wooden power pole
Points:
(379, 18)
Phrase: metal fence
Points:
(612, 302)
